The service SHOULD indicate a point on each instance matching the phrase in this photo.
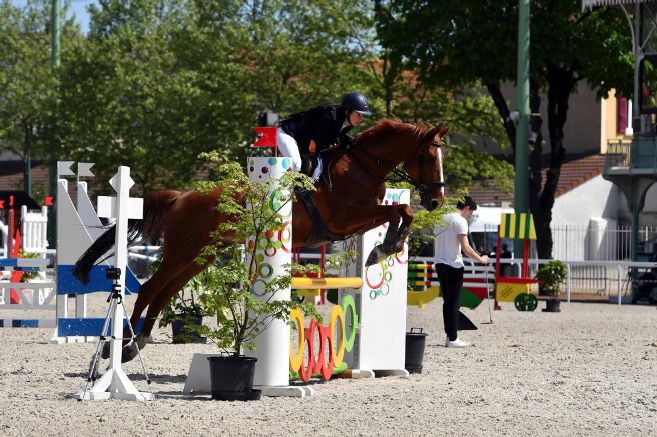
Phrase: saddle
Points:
(320, 232)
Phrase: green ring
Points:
(348, 304)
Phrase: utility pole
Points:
(521, 196)
(54, 52)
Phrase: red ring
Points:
(306, 372)
(325, 337)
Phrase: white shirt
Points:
(447, 245)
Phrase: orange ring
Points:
(337, 313)
(297, 359)
(306, 372)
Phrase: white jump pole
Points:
(273, 343)
(115, 384)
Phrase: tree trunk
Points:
(561, 82)
(503, 110)
(536, 149)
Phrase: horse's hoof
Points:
(142, 340)
(105, 354)
(129, 352)
(375, 257)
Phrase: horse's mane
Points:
(389, 126)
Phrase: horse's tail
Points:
(156, 208)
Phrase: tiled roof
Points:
(11, 175)
(574, 172)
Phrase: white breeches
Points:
(289, 147)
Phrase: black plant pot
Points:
(552, 306)
(231, 378)
(181, 334)
(415, 342)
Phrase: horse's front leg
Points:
(366, 217)
(395, 235)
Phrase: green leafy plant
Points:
(552, 276)
(27, 276)
(227, 296)
(185, 304)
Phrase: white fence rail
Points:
(583, 243)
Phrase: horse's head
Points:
(425, 168)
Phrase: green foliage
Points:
(27, 276)
(185, 304)
(227, 295)
(473, 43)
(552, 276)
(158, 82)
(27, 79)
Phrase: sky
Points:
(78, 7)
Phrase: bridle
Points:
(422, 185)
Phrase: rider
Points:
(307, 134)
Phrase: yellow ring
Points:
(296, 360)
(337, 314)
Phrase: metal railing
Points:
(618, 154)
(641, 153)
(609, 280)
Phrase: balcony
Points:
(638, 157)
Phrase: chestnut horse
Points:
(348, 199)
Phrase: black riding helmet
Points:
(356, 102)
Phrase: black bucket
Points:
(415, 350)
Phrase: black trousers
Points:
(451, 283)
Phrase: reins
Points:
(421, 186)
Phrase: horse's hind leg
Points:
(148, 292)
(157, 305)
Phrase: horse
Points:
(348, 198)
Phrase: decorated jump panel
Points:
(273, 342)
(381, 303)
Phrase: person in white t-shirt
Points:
(452, 239)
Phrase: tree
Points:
(464, 43)
(159, 81)
(27, 81)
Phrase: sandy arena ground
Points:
(589, 370)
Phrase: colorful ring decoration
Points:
(349, 307)
(305, 372)
(267, 266)
(297, 359)
(337, 317)
(317, 363)
(374, 275)
(321, 366)
(285, 236)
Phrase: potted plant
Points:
(551, 276)
(227, 297)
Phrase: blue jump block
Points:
(88, 326)
(19, 323)
(68, 284)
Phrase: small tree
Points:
(227, 297)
